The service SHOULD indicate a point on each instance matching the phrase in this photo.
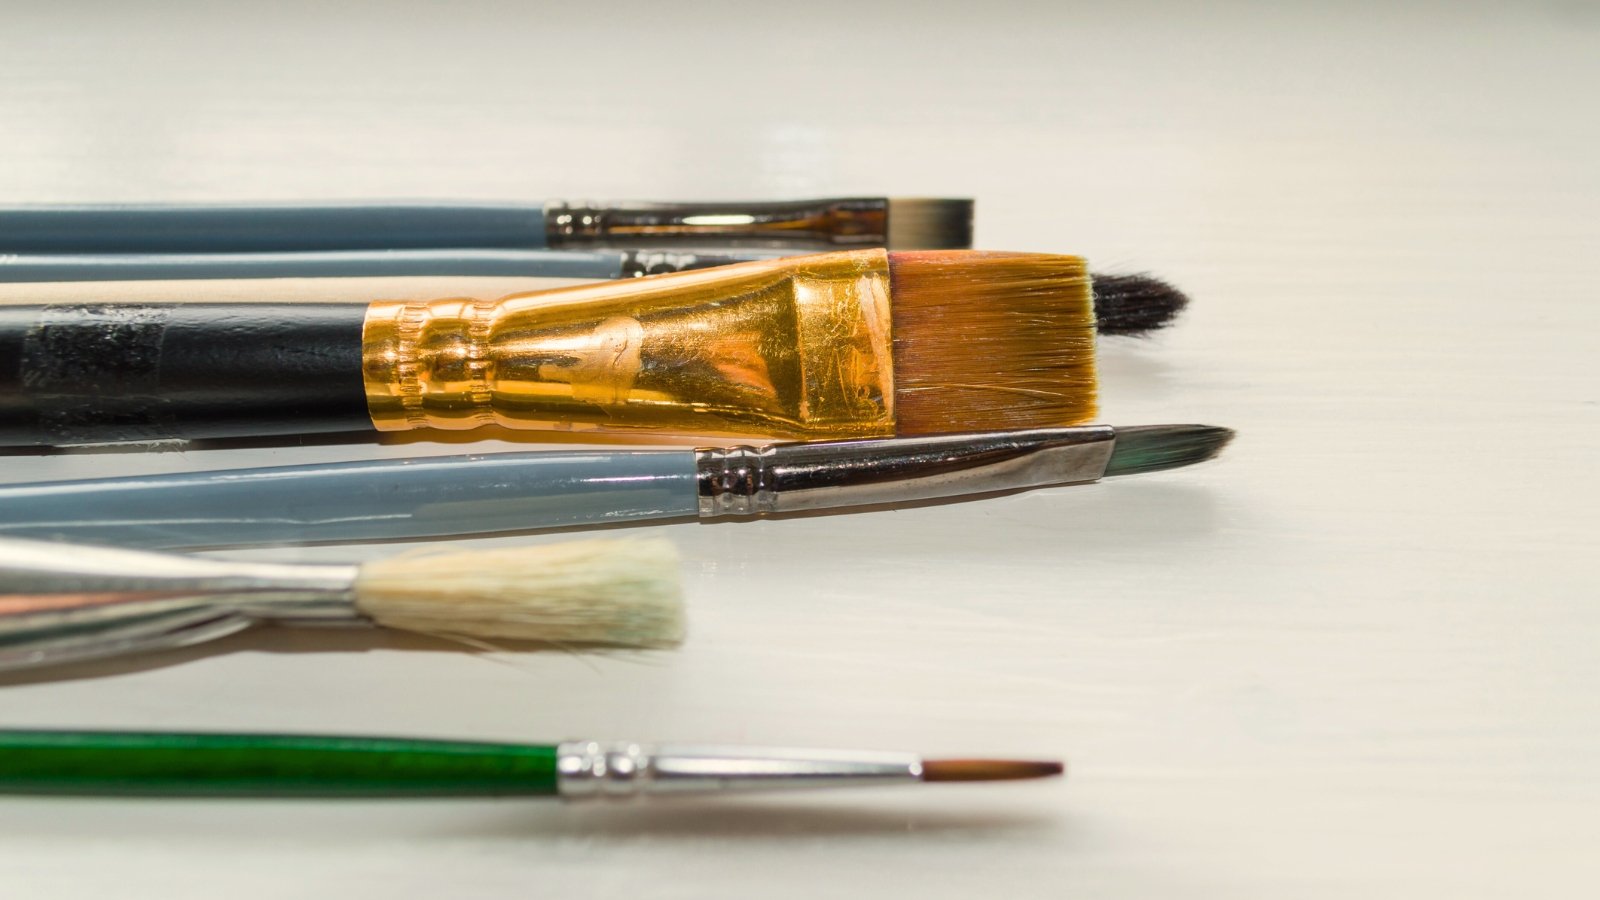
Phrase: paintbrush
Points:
(1124, 305)
(438, 496)
(177, 764)
(64, 603)
(895, 222)
(864, 343)
(32, 268)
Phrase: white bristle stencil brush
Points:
(63, 603)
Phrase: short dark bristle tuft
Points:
(1135, 304)
(991, 341)
(921, 223)
(989, 769)
(1151, 448)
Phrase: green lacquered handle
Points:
(176, 764)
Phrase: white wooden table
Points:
(1355, 658)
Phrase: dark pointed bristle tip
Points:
(1151, 448)
(1135, 304)
(990, 769)
(929, 223)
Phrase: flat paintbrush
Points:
(898, 223)
(64, 603)
(450, 495)
(865, 343)
(176, 764)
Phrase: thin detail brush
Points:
(864, 343)
(484, 493)
(66, 603)
(176, 764)
(896, 223)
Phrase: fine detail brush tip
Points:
(987, 341)
(1151, 448)
(1135, 304)
(989, 769)
(928, 223)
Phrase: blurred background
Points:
(1355, 657)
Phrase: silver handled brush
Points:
(65, 603)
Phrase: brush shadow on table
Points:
(889, 814)
(275, 639)
(760, 819)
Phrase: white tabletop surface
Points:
(1356, 657)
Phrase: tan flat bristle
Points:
(991, 341)
(620, 593)
(989, 769)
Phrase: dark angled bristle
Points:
(1135, 304)
(1151, 448)
(990, 341)
(920, 223)
(989, 769)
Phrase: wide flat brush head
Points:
(1151, 448)
(991, 341)
(989, 769)
(1135, 304)
(923, 223)
(621, 593)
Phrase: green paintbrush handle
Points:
(176, 764)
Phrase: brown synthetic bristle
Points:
(991, 341)
(988, 769)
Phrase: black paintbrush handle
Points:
(88, 373)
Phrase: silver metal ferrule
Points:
(275, 591)
(795, 477)
(638, 263)
(822, 224)
(65, 603)
(623, 769)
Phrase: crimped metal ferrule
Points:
(625, 769)
(826, 224)
(638, 263)
(786, 348)
(779, 478)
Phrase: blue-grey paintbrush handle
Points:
(267, 228)
(358, 501)
(40, 267)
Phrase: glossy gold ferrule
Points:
(791, 348)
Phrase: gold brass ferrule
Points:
(789, 348)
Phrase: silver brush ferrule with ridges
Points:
(797, 477)
(616, 770)
(821, 224)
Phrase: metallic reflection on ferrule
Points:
(780, 478)
(784, 348)
(827, 224)
(623, 769)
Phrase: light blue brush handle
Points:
(358, 501)
(37, 267)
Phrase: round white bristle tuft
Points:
(614, 592)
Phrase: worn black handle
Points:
(103, 372)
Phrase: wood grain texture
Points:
(1354, 658)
